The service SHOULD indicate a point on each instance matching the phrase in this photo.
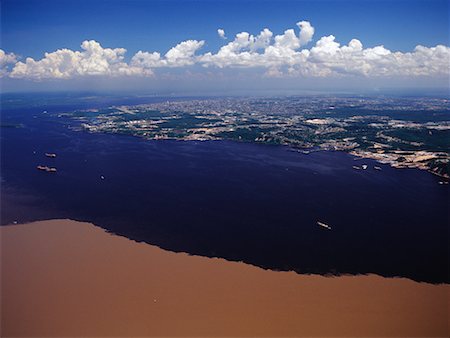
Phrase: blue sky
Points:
(31, 28)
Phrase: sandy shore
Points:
(65, 278)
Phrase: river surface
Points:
(241, 201)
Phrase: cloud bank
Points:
(280, 55)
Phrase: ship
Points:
(323, 225)
(52, 155)
(47, 169)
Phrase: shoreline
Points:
(68, 278)
(382, 158)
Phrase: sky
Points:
(224, 46)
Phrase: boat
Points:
(356, 167)
(323, 225)
(52, 155)
(364, 166)
(377, 168)
(47, 169)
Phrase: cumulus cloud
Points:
(306, 32)
(241, 52)
(96, 60)
(5, 61)
(183, 53)
(328, 57)
(282, 55)
(221, 33)
(146, 60)
(65, 63)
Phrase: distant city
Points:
(404, 132)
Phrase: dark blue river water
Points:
(245, 202)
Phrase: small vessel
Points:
(323, 225)
(46, 168)
(356, 167)
(364, 166)
(52, 155)
(377, 168)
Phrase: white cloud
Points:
(183, 53)
(96, 60)
(221, 33)
(328, 57)
(287, 40)
(5, 61)
(262, 40)
(283, 57)
(241, 52)
(277, 56)
(65, 63)
(146, 60)
(306, 32)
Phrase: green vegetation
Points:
(403, 132)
